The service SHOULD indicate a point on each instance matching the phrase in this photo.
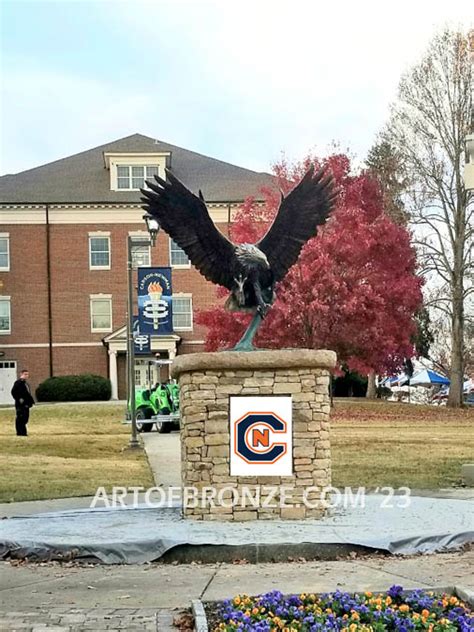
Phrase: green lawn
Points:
(73, 449)
(385, 443)
(70, 451)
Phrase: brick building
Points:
(63, 258)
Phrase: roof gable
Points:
(83, 177)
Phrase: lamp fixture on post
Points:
(152, 226)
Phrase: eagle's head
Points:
(250, 256)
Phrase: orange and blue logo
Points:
(258, 437)
(261, 435)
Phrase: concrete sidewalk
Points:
(172, 586)
(164, 456)
(62, 597)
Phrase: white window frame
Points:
(184, 295)
(100, 235)
(8, 301)
(100, 297)
(6, 236)
(130, 165)
(177, 266)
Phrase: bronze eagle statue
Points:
(249, 271)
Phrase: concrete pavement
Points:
(173, 586)
(164, 456)
(63, 597)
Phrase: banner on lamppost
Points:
(141, 344)
(155, 309)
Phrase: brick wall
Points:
(26, 284)
(34, 359)
(72, 283)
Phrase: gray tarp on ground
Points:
(139, 535)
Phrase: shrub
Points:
(74, 388)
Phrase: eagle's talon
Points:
(263, 310)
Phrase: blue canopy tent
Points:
(428, 378)
(395, 380)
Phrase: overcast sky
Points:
(240, 81)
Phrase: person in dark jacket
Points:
(21, 393)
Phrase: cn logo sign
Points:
(256, 437)
(260, 436)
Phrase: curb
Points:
(259, 553)
(466, 594)
(200, 619)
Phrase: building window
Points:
(101, 313)
(182, 312)
(178, 258)
(132, 177)
(5, 315)
(99, 252)
(4, 252)
(141, 256)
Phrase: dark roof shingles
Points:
(83, 178)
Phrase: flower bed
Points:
(394, 610)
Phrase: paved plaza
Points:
(63, 597)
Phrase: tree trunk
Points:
(371, 390)
(455, 398)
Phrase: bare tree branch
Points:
(427, 127)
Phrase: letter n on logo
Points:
(261, 437)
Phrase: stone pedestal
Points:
(206, 381)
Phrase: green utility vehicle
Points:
(157, 405)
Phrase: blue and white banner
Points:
(142, 344)
(155, 309)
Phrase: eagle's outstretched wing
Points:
(307, 206)
(186, 219)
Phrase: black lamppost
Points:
(153, 228)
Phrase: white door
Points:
(7, 377)
(142, 374)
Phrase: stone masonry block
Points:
(207, 381)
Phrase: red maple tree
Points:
(354, 288)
